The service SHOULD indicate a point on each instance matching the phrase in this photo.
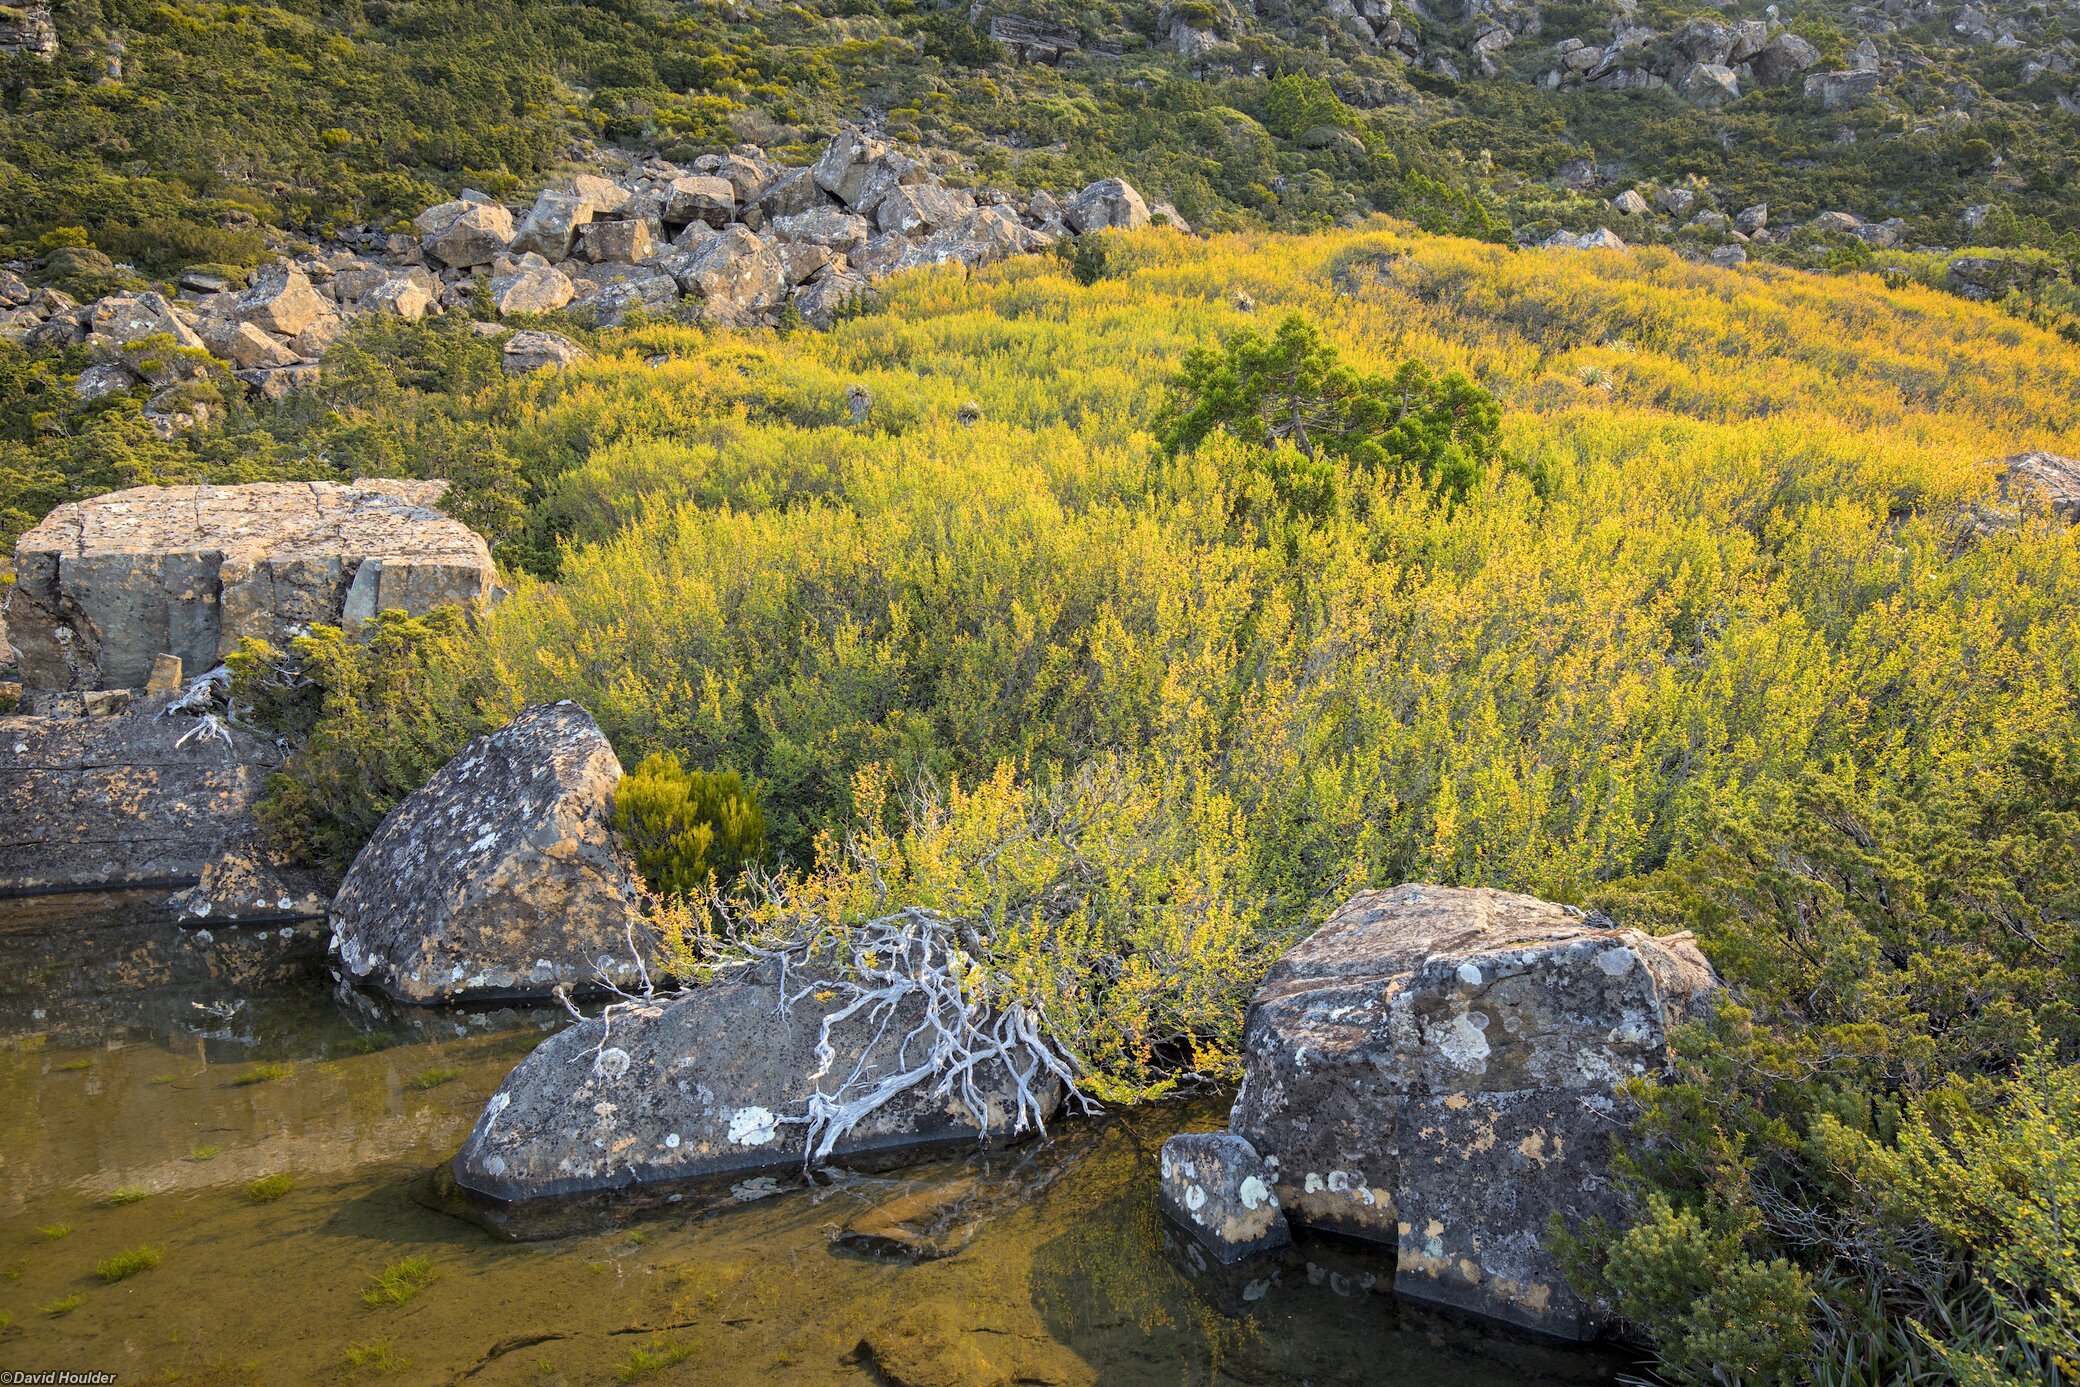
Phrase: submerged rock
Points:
(1438, 1069)
(713, 1085)
(245, 881)
(500, 877)
(1220, 1190)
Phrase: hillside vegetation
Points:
(1730, 633)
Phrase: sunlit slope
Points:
(1750, 557)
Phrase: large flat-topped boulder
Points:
(1438, 1069)
(501, 876)
(105, 586)
(121, 800)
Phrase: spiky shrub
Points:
(690, 830)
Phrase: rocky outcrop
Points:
(1218, 1189)
(2042, 478)
(105, 586)
(527, 352)
(712, 1086)
(132, 799)
(1837, 91)
(1438, 1070)
(501, 876)
(26, 31)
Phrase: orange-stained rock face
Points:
(1440, 1069)
(107, 585)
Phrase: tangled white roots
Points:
(916, 953)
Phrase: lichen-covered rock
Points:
(105, 586)
(736, 275)
(1837, 91)
(134, 799)
(1438, 1069)
(461, 233)
(531, 288)
(245, 881)
(1222, 1192)
(704, 199)
(528, 352)
(1109, 203)
(702, 1087)
(282, 302)
(500, 877)
(551, 226)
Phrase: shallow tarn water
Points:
(139, 1060)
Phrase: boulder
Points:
(1727, 257)
(1109, 203)
(710, 200)
(1219, 1190)
(280, 382)
(736, 275)
(824, 226)
(1750, 220)
(607, 197)
(1981, 277)
(281, 301)
(711, 1086)
(125, 320)
(1709, 84)
(248, 348)
(617, 242)
(1836, 223)
(527, 352)
(860, 170)
(102, 379)
(1629, 203)
(536, 288)
(462, 233)
(820, 300)
(2046, 478)
(789, 193)
(551, 226)
(410, 296)
(1439, 1070)
(920, 208)
(1676, 202)
(1836, 91)
(123, 800)
(27, 31)
(106, 585)
(1885, 235)
(983, 237)
(1783, 60)
(14, 291)
(1603, 238)
(501, 876)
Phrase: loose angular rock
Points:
(825, 226)
(105, 585)
(1836, 91)
(246, 880)
(736, 275)
(501, 876)
(527, 352)
(128, 319)
(1220, 1190)
(1110, 203)
(282, 302)
(461, 234)
(537, 288)
(711, 1086)
(1439, 1069)
(616, 242)
(551, 225)
(1630, 203)
(926, 207)
(710, 200)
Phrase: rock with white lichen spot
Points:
(1439, 1069)
(246, 880)
(1221, 1191)
(501, 876)
(710, 1088)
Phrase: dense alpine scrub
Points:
(1726, 632)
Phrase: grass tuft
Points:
(269, 1188)
(205, 1153)
(65, 1306)
(262, 1074)
(434, 1078)
(652, 1358)
(400, 1281)
(73, 1066)
(128, 1194)
(51, 1232)
(125, 1265)
(378, 1357)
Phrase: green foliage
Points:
(434, 1078)
(373, 716)
(129, 1263)
(690, 831)
(1718, 1313)
(126, 1194)
(1294, 391)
